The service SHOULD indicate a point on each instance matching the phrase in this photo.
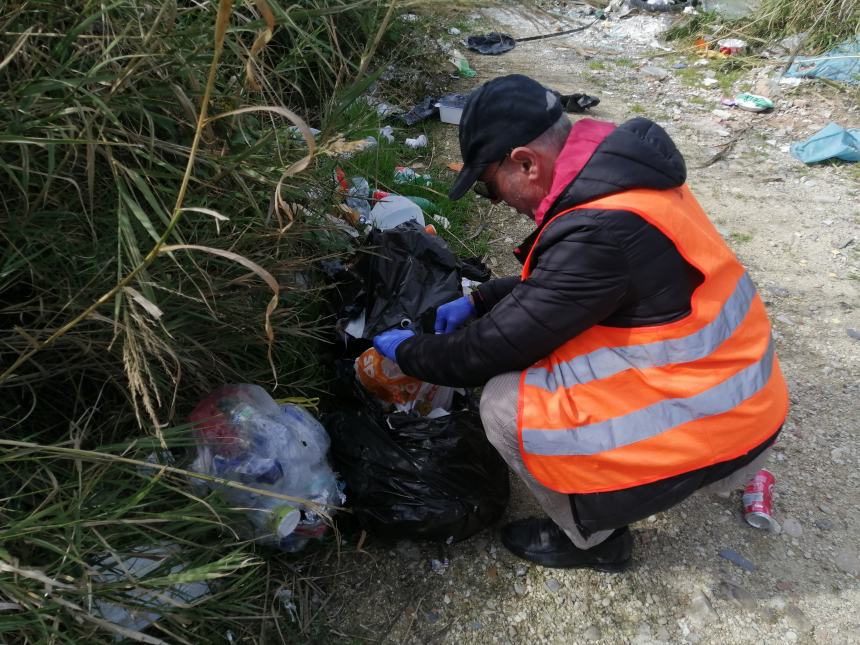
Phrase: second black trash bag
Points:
(410, 477)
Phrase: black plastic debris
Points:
(411, 477)
(421, 111)
(493, 43)
(577, 103)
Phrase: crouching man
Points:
(631, 364)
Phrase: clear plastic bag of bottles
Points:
(243, 435)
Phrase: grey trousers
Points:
(499, 416)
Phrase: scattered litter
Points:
(387, 133)
(791, 81)
(418, 142)
(758, 500)
(831, 142)
(493, 43)
(405, 175)
(451, 108)
(409, 17)
(753, 102)
(421, 111)
(660, 6)
(459, 61)
(440, 567)
(842, 63)
(455, 166)
(727, 101)
(679, 66)
(577, 103)
(732, 46)
(132, 570)
(243, 435)
(443, 221)
(736, 558)
(454, 31)
(286, 597)
(393, 211)
(710, 82)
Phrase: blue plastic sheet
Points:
(841, 63)
(831, 142)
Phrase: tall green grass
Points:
(150, 249)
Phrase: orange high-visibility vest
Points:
(614, 407)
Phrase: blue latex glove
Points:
(386, 343)
(453, 315)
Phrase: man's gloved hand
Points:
(453, 315)
(386, 343)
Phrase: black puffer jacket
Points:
(590, 267)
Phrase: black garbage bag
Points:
(407, 273)
(409, 477)
(493, 43)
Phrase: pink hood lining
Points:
(584, 138)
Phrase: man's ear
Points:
(527, 160)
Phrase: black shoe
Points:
(540, 540)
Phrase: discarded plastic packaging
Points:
(732, 46)
(418, 142)
(842, 63)
(831, 142)
(493, 43)
(384, 379)
(406, 175)
(454, 31)
(459, 61)
(442, 221)
(387, 133)
(753, 102)
(420, 111)
(130, 571)
(451, 108)
(394, 210)
(244, 436)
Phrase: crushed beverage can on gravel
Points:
(758, 500)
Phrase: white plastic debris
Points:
(387, 133)
(418, 142)
(442, 221)
(454, 31)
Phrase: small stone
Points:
(432, 617)
(790, 636)
(782, 292)
(655, 72)
(848, 562)
(710, 82)
(492, 573)
(792, 527)
(519, 588)
(552, 585)
(853, 333)
(838, 454)
(700, 611)
(798, 620)
(737, 595)
(824, 525)
(520, 572)
(509, 240)
(592, 634)
(512, 632)
(475, 625)
(786, 320)
(662, 635)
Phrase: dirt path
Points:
(796, 229)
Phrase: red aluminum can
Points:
(758, 500)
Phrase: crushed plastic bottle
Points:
(405, 175)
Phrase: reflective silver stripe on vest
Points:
(654, 419)
(608, 361)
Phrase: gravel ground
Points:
(796, 229)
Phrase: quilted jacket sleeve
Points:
(578, 280)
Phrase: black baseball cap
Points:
(502, 114)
